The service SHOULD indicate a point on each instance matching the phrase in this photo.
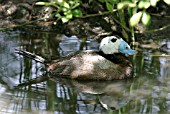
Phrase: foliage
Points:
(109, 4)
(65, 9)
(135, 11)
(134, 5)
(142, 15)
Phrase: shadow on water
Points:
(26, 88)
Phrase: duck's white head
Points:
(114, 44)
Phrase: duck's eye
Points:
(113, 40)
(126, 48)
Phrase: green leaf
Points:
(77, 13)
(42, 3)
(153, 2)
(71, 2)
(124, 4)
(135, 18)
(64, 19)
(112, 1)
(109, 7)
(59, 1)
(121, 5)
(58, 15)
(64, 9)
(132, 5)
(65, 4)
(167, 2)
(144, 4)
(146, 18)
(68, 14)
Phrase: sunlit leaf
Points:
(167, 2)
(59, 1)
(69, 15)
(141, 4)
(64, 9)
(153, 2)
(121, 5)
(124, 4)
(135, 18)
(109, 7)
(64, 19)
(147, 5)
(144, 4)
(42, 3)
(132, 5)
(65, 4)
(71, 2)
(146, 18)
(77, 13)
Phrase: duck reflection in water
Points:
(110, 62)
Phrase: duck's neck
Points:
(117, 58)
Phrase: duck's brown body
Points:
(90, 65)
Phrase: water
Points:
(148, 92)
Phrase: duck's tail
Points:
(31, 56)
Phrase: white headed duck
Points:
(108, 63)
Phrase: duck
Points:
(110, 62)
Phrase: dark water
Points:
(148, 92)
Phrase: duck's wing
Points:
(87, 65)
